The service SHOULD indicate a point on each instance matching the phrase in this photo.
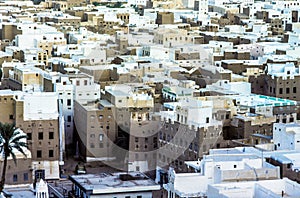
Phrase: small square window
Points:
(29, 136)
(25, 176)
(39, 154)
(41, 135)
(51, 135)
(15, 178)
(51, 153)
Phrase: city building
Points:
(132, 184)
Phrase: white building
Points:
(65, 90)
(257, 189)
(33, 34)
(286, 136)
(85, 89)
(137, 2)
(118, 185)
(224, 166)
(232, 88)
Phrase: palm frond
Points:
(21, 150)
(13, 155)
(15, 139)
(11, 141)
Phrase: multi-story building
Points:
(96, 130)
(19, 172)
(65, 90)
(165, 18)
(172, 37)
(24, 77)
(281, 81)
(7, 104)
(188, 131)
(257, 113)
(37, 115)
(34, 55)
(85, 89)
(286, 136)
(137, 127)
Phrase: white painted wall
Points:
(286, 136)
(65, 90)
(40, 106)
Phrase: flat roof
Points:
(19, 191)
(107, 183)
(105, 103)
(254, 100)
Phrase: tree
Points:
(12, 139)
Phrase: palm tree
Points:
(11, 140)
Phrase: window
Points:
(92, 145)
(25, 176)
(39, 154)
(51, 153)
(294, 89)
(41, 135)
(29, 136)
(15, 178)
(154, 140)
(51, 135)
(69, 118)
(85, 82)
(287, 90)
(11, 117)
(207, 120)
(69, 102)
(280, 90)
